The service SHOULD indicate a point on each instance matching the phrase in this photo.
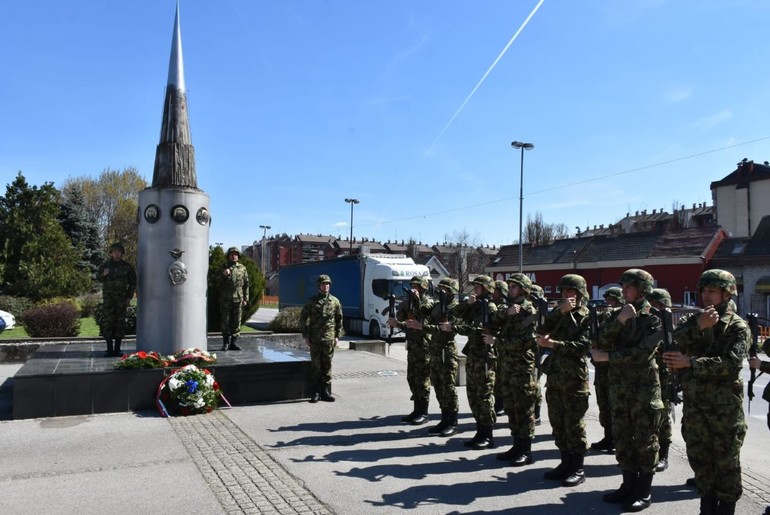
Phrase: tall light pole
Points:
(264, 235)
(523, 146)
(351, 201)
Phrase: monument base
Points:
(75, 379)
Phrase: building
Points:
(741, 198)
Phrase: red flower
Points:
(184, 412)
(215, 386)
(208, 409)
(141, 354)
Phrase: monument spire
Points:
(175, 154)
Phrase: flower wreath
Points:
(189, 390)
(140, 359)
(193, 356)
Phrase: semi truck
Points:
(363, 284)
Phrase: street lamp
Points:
(351, 201)
(523, 146)
(264, 234)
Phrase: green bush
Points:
(88, 303)
(130, 318)
(15, 305)
(52, 320)
(287, 321)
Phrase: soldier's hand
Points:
(307, 341)
(626, 312)
(489, 339)
(226, 272)
(445, 326)
(414, 324)
(708, 318)
(471, 298)
(675, 360)
(514, 309)
(392, 322)
(416, 293)
(755, 363)
(568, 304)
(600, 356)
(545, 341)
(105, 272)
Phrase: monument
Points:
(174, 219)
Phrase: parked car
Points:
(9, 319)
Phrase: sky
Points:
(408, 106)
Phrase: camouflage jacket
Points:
(419, 311)
(120, 284)
(517, 336)
(234, 287)
(716, 357)
(568, 366)
(469, 323)
(431, 322)
(321, 318)
(632, 347)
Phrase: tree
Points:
(467, 260)
(538, 232)
(217, 260)
(82, 231)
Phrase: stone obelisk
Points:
(174, 219)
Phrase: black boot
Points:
(575, 474)
(662, 457)
(412, 415)
(476, 438)
(708, 505)
(510, 453)
(436, 430)
(225, 341)
(316, 395)
(116, 350)
(486, 440)
(726, 508)
(451, 427)
(326, 393)
(110, 349)
(560, 472)
(233, 345)
(605, 444)
(499, 408)
(641, 498)
(525, 453)
(422, 413)
(625, 491)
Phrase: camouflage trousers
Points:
(321, 354)
(480, 387)
(602, 389)
(418, 371)
(515, 381)
(443, 374)
(113, 324)
(230, 313)
(665, 431)
(714, 436)
(635, 425)
(566, 412)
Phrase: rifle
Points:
(409, 303)
(674, 386)
(391, 314)
(541, 303)
(486, 327)
(442, 303)
(593, 326)
(753, 321)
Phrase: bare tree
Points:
(466, 261)
(540, 233)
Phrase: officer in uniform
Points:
(712, 347)
(233, 295)
(320, 323)
(118, 286)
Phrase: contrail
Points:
(483, 78)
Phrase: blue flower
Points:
(192, 385)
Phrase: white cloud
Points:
(709, 122)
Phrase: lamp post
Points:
(523, 146)
(262, 257)
(351, 201)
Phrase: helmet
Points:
(233, 250)
(718, 279)
(574, 282)
(639, 279)
(502, 288)
(615, 293)
(421, 281)
(522, 281)
(323, 278)
(660, 295)
(537, 291)
(117, 246)
(449, 283)
(486, 282)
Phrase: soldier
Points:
(443, 356)
(409, 318)
(628, 341)
(566, 332)
(712, 347)
(233, 295)
(480, 365)
(660, 299)
(500, 298)
(516, 348)
(614, 299)
(540, 354)
(118, 286)
(320, 323)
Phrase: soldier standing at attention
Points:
(516, 349)
(409, 318)
(320, 323)
(480, 365)
(660, 299)
(712, 347)
(628, 342)
(566, 332)
(443, 357)
(614, 299)
(500, 298)
(118, 286)
(536, 294)
(233, 295)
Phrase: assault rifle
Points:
(593, 326)
(409, 303)
(674, 386)
(541, 304)
(392, 315)
(753, 321)
(486, 325)
(442, 303)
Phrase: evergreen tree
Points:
(81, 230)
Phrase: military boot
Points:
(560, 472)
(225, 341)
(510, 453)
(641, 498)
(662, 457)
(726, 508)
(435, 430)
(110, 349)
(316, 395)
(605, 444)
(326, 393)
(412, 415)
(525, 453)
(233, 345)
(476, 438)
(486, 439)
(421, 407)
(708, 505)
(116, 350)
(575, 474)
(625, 491)
(451, 427)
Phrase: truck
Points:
(363, 283)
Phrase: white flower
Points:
(209, 380)
(199, 402)
(174, 383)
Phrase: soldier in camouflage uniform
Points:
(614, 299)
(628, 342)
(566, 332)
(516, 349)
(320, 323)
(660, 299)
(535, 294)
(480, 365)
(409, 318)
(712, 347)
(500, 298)
(233, 295)
(443, 356)
(118, 286)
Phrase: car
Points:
(9, 319)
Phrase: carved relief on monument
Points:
(180, 214)
(203, 216)
(152, 213)
(177, 272)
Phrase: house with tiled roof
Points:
(741, 198)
